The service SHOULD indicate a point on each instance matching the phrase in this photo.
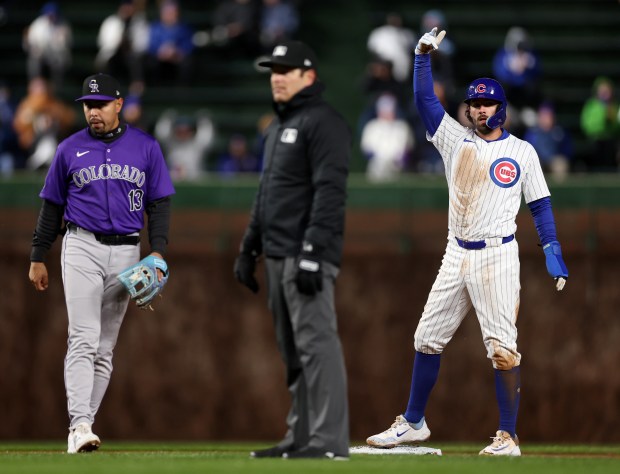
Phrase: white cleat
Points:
(401, 432)
(503, 445)
(71, 443)
(82, 439)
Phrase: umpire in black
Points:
(297, 222)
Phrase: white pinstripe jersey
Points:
(486, 180)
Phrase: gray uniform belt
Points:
(480, 244)
(110, 239)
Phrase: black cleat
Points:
(274, 452)
(310, 452)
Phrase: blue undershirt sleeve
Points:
(543, 219)
(429, 107)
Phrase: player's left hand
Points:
(555, 263)
(430, 41)
(142, 280)
(160, 273)
(309, 277)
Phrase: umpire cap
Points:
(291, 53)
(100, 87)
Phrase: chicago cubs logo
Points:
(481, 88)
(505, 172)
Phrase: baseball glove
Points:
(141, 280)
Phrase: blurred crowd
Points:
(144, 44)
(154, 43)
(393, 138)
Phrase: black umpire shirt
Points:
(302, 191)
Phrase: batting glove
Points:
(555, 263)
(309, 278)
(429, 41)
(245, 266)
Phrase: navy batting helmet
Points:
(487, 88)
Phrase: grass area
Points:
(189, 458)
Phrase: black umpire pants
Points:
(307, 336)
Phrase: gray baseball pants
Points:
(96, 305)
(307, 337)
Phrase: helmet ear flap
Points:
(498, 118)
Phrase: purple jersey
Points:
(105, 186)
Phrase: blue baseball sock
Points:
(508, 392)
(425, 372)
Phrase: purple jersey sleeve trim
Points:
(431, 110)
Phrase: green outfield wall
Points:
(410, 192)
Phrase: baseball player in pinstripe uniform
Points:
(101, 181)
(487, 170)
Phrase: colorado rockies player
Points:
(101, 181)
(487, 170)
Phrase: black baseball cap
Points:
(100, 87)
(291, 53)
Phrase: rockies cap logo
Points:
(94, 87)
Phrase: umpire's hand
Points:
(309, 278)
(245, 266)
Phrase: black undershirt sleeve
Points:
(48, 228)
(158, 213)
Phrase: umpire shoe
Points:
(310, 452)
(82, 439)
(274, 452)
(503, 445)
(401, 432)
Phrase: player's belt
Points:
(480, 244)
(109, 239)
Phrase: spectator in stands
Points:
(551, 141)
(376, 81)
(186, 141)
(238, 159)
(517, 66)
(10, 158)
(379, 78)
(41, 121)
(279, 22)
(600, 123)
(47, 42)
(170, 46)
(386, 141)
(258, 146)
(235, 28)
(132, 112)
(395, 43)
(123, 40)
